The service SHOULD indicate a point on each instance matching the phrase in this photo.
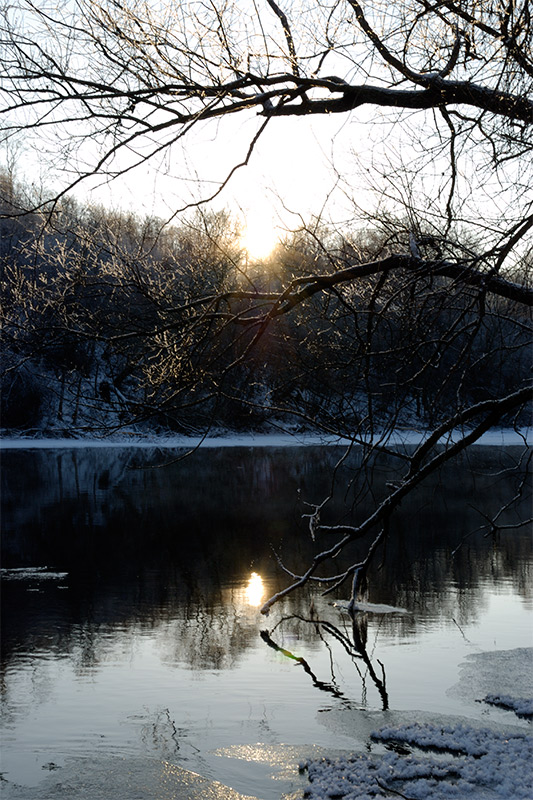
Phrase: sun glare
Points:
(259, 238)
(254, 590)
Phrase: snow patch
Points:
(171, 442)
(474, 763)
(31, 574)
(520, 705)
(433, 757)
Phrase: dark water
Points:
(141, 639)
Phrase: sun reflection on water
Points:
(255, 590)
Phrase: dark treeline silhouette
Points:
(110, 319)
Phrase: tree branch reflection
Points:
(355, 646)
(325, 687)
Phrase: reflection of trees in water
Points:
(160, 735)
(208, 635)
(150, 547)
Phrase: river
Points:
(132, 640)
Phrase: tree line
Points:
(110, 319)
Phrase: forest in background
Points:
(112, 320)
(415, 312)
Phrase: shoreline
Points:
(501, 437)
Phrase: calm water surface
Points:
(130, 606)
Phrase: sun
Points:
(255, 590)
(260, 237)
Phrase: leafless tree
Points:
(104, 87)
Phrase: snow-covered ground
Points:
(437, 759)
(497, 437)
(468, 763)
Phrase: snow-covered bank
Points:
(470, 763)
(494, 438)
(440, 758)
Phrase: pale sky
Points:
(289, 175)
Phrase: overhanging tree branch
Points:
(440, 92)
(491, 413)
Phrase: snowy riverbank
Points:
(407, 437)
(443, 757)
